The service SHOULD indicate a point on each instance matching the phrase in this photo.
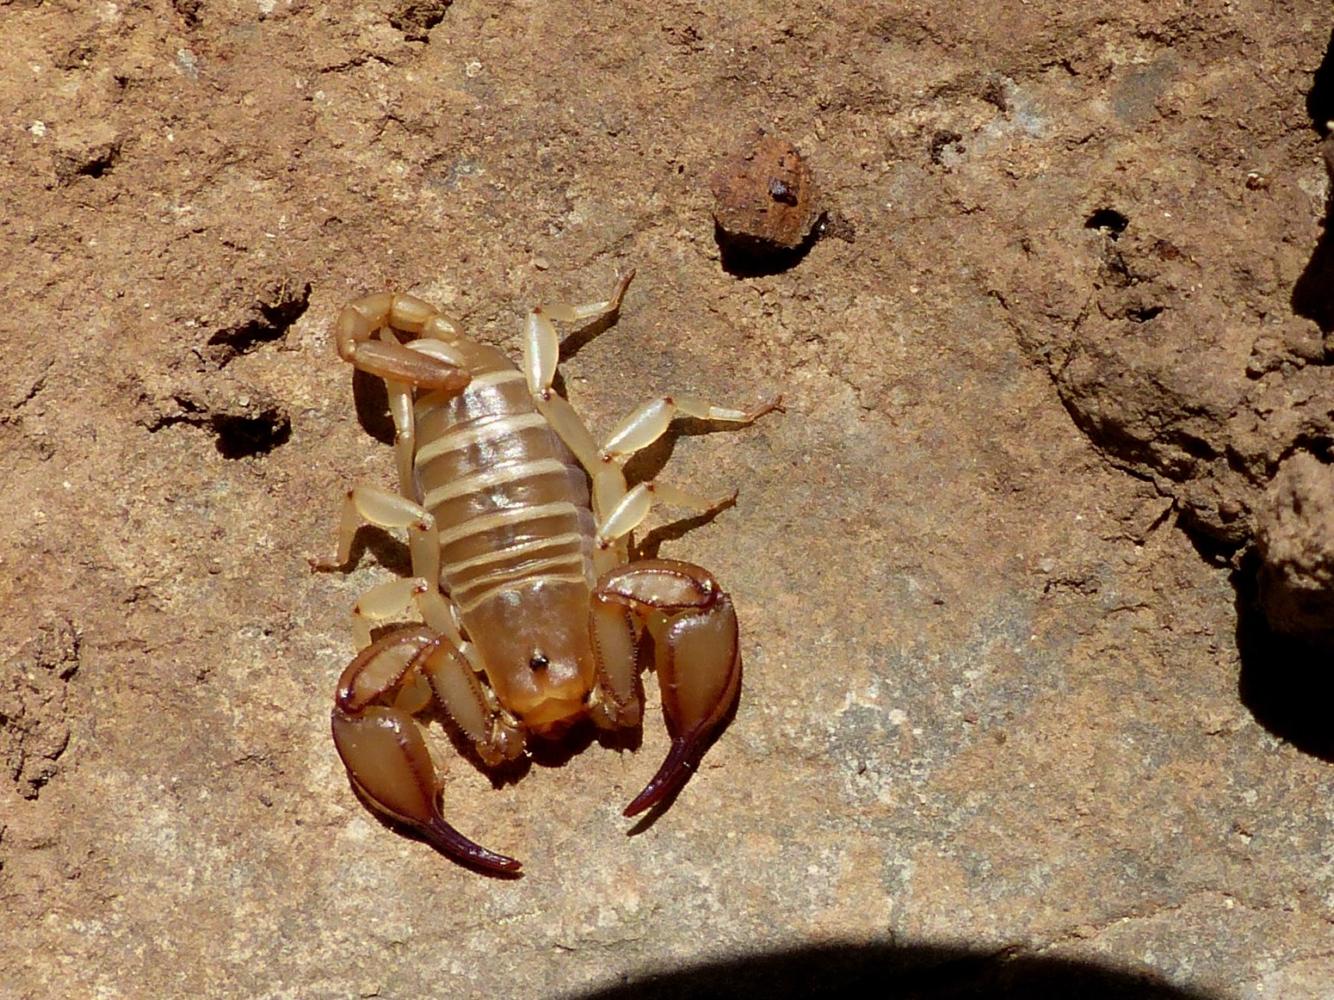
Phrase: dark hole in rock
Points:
(1311, 294)
(1109, 220)
(100, 164)
(273, 322)
(244, 437)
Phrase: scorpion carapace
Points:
(518, 526)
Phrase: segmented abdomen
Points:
(509, 499)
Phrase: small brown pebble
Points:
(765, 197)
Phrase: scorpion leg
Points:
(382, 746)
(611, 495)
(378, 506)
(620, 509)
(424, 364)
(696, 650)
(541, 354)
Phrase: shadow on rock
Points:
(901, 973)
(1320, 98)
(1313, 294)
(750, 259)
(1286, 683)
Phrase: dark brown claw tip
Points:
(445, 839)
(673, 773)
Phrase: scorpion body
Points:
(532, 612)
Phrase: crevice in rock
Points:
(1143, 314)
(255, 430)
(1107, 220)
(245, 437)
(274, 320)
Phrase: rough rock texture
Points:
(1295, 539)
(1008, 714)
(34, 730)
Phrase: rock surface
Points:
(994, 564)
(1295, 539)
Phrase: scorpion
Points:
(532, 613)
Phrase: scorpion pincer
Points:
(518, 527)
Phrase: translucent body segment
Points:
(627, 515)
(405, 432)
(374, 308)
(394, 361)
(390, 599)
(409, 313)
(566, 422)
(619, 512)
(384, 602)
(457, 688)
(442, 327)
(616, 651)
(414, 693)
(541, 351)
(386, 509)
(372, 673)
(448, 352)
(359, 322)
(541, 354)
(375, 505)
(632, 508)
(700, 674)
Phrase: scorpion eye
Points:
(538, 661)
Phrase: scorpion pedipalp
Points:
(696, 651)
(360, 321)
(382, 746)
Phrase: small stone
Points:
(766, 200)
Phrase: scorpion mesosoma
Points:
(532, 612)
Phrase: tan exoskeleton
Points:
(532, 612)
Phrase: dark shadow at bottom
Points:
(911, 972)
